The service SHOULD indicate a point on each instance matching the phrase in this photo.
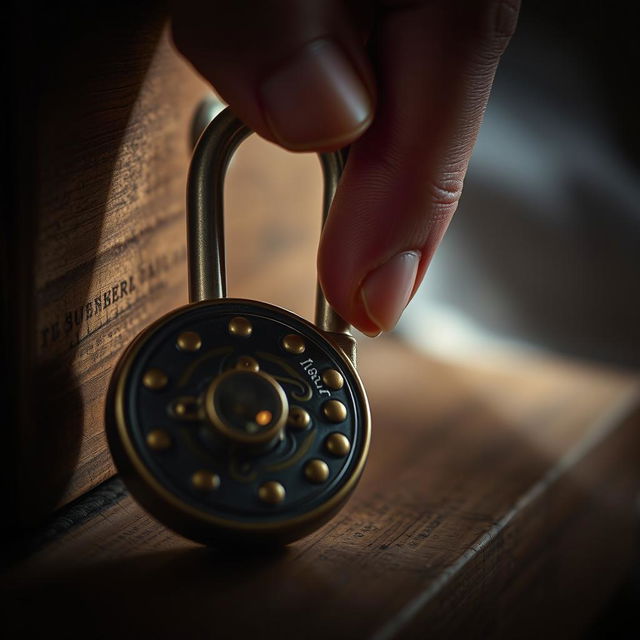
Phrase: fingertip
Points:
(380, 299)
(386, 290)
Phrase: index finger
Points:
(435, 63)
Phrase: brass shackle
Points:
(205, 213)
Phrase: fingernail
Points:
(316, 98)
(386, 291)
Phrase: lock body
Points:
(234, 421)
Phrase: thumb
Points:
(293, 70)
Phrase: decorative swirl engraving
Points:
(297, 380)
(300, 453)
(212, 353)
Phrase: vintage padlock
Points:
(232, 420)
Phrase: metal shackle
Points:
(205, 213)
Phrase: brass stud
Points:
(334, 410)
(158, 440)
(189, 341)
(240, 326)
(247, 363)
(155, 379)
(333, 379)
(184, 408)
(293, 343)
(338, 444)
(316, 471)
(271, 492)
(204, 480)
(298, 418)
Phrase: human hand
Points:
(405, 83)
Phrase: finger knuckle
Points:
(444, 194)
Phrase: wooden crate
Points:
(95, 228)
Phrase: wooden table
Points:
(498, 502)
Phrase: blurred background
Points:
(544, 250)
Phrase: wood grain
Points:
(103, 239)
(498, 503)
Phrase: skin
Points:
(405, 83)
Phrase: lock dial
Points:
(234, 420)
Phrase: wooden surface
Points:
(98, 248)
(498, 502)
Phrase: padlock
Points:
(234, 421)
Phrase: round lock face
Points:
(237, 417)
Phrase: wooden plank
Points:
(498, 502)
(99, 249)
